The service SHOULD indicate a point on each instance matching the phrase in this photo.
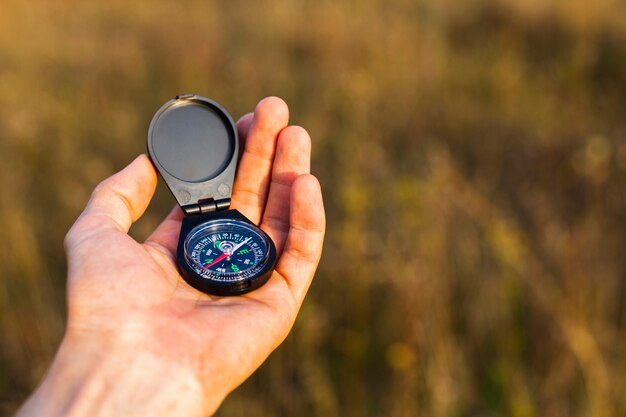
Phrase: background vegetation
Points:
(473, 160)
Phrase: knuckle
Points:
(101, 189)
(245, 196)
(68, 239)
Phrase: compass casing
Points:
(193, 143)
(223, 287)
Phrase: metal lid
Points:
(194, 145)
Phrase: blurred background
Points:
(473, 161)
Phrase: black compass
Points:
(193, 143)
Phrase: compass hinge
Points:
(206, 206)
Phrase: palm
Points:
(119, 286)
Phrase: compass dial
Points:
(226, 250)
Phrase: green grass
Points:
(473, 161)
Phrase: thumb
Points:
(119, 200)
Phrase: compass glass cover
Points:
(226, 250)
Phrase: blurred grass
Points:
(473, 160)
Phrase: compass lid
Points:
(193, 143)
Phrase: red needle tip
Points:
(219, 258)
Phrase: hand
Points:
(139, 340)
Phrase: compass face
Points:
(226, 250)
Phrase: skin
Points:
(140, 341)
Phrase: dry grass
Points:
(473, 159)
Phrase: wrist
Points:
(91, 379)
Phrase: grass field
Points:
(473, 162)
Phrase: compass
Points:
(193, 143)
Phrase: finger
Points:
(286, 288)
(293, 158)
(303, 247)
(243, 127)
(119, 200)
(166, 234)
(253, 176)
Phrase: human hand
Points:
(139, 339)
